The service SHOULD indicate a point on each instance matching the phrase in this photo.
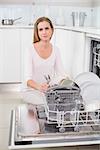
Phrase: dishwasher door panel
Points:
(86, 135)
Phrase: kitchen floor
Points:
(8, 101)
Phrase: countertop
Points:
(89, 31)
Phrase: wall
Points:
(50, 2)
(96, 3)
(60, 15)
(58, 11)
(96, 14)
(65, 2)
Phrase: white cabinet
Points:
(1, 56)
(78, 56)
(72, 49)
(10, 56)
(26, 42)
(63, 42)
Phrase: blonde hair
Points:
(41, 19)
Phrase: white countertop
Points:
(90, 31)
(16, 27)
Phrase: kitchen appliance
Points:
(9, 21)
(63, 121)
(94, 65)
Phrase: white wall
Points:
(96, 3)
(96, 14)
(58, 11)
(58, 14)
(82, 3)
(50, 2)
(96, 17)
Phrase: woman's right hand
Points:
(43, 87)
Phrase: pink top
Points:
(36, 67)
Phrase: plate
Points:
(87, 77)
(90, 93)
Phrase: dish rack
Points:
(96, 53)
(65, 108)
(63, 121)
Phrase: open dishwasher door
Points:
(88, 132)
(62, 121)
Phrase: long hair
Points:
(41, 19)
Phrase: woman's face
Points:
(44, 31)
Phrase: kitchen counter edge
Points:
(90, 31)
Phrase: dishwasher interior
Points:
(95, 57)
(62, 121)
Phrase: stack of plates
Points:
(89, 84)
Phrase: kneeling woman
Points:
(43, 65)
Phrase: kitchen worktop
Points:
(90, 31)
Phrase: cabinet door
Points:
(10, 56)
(26, 42)
(1, 56)
(63, 42)
(78, 56)
(71, 45)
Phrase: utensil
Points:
(48, 79)
(9, 21)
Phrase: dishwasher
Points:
(64, 119)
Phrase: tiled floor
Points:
(8, 100)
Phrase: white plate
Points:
(87, 77)
(91, 96)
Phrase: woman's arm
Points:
(41, 87)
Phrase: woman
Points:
(43, 65)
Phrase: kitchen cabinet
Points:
(10, 58)
(1, 55)
(78, 60)
(26, 41)
(72, 48)
(87, 54)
